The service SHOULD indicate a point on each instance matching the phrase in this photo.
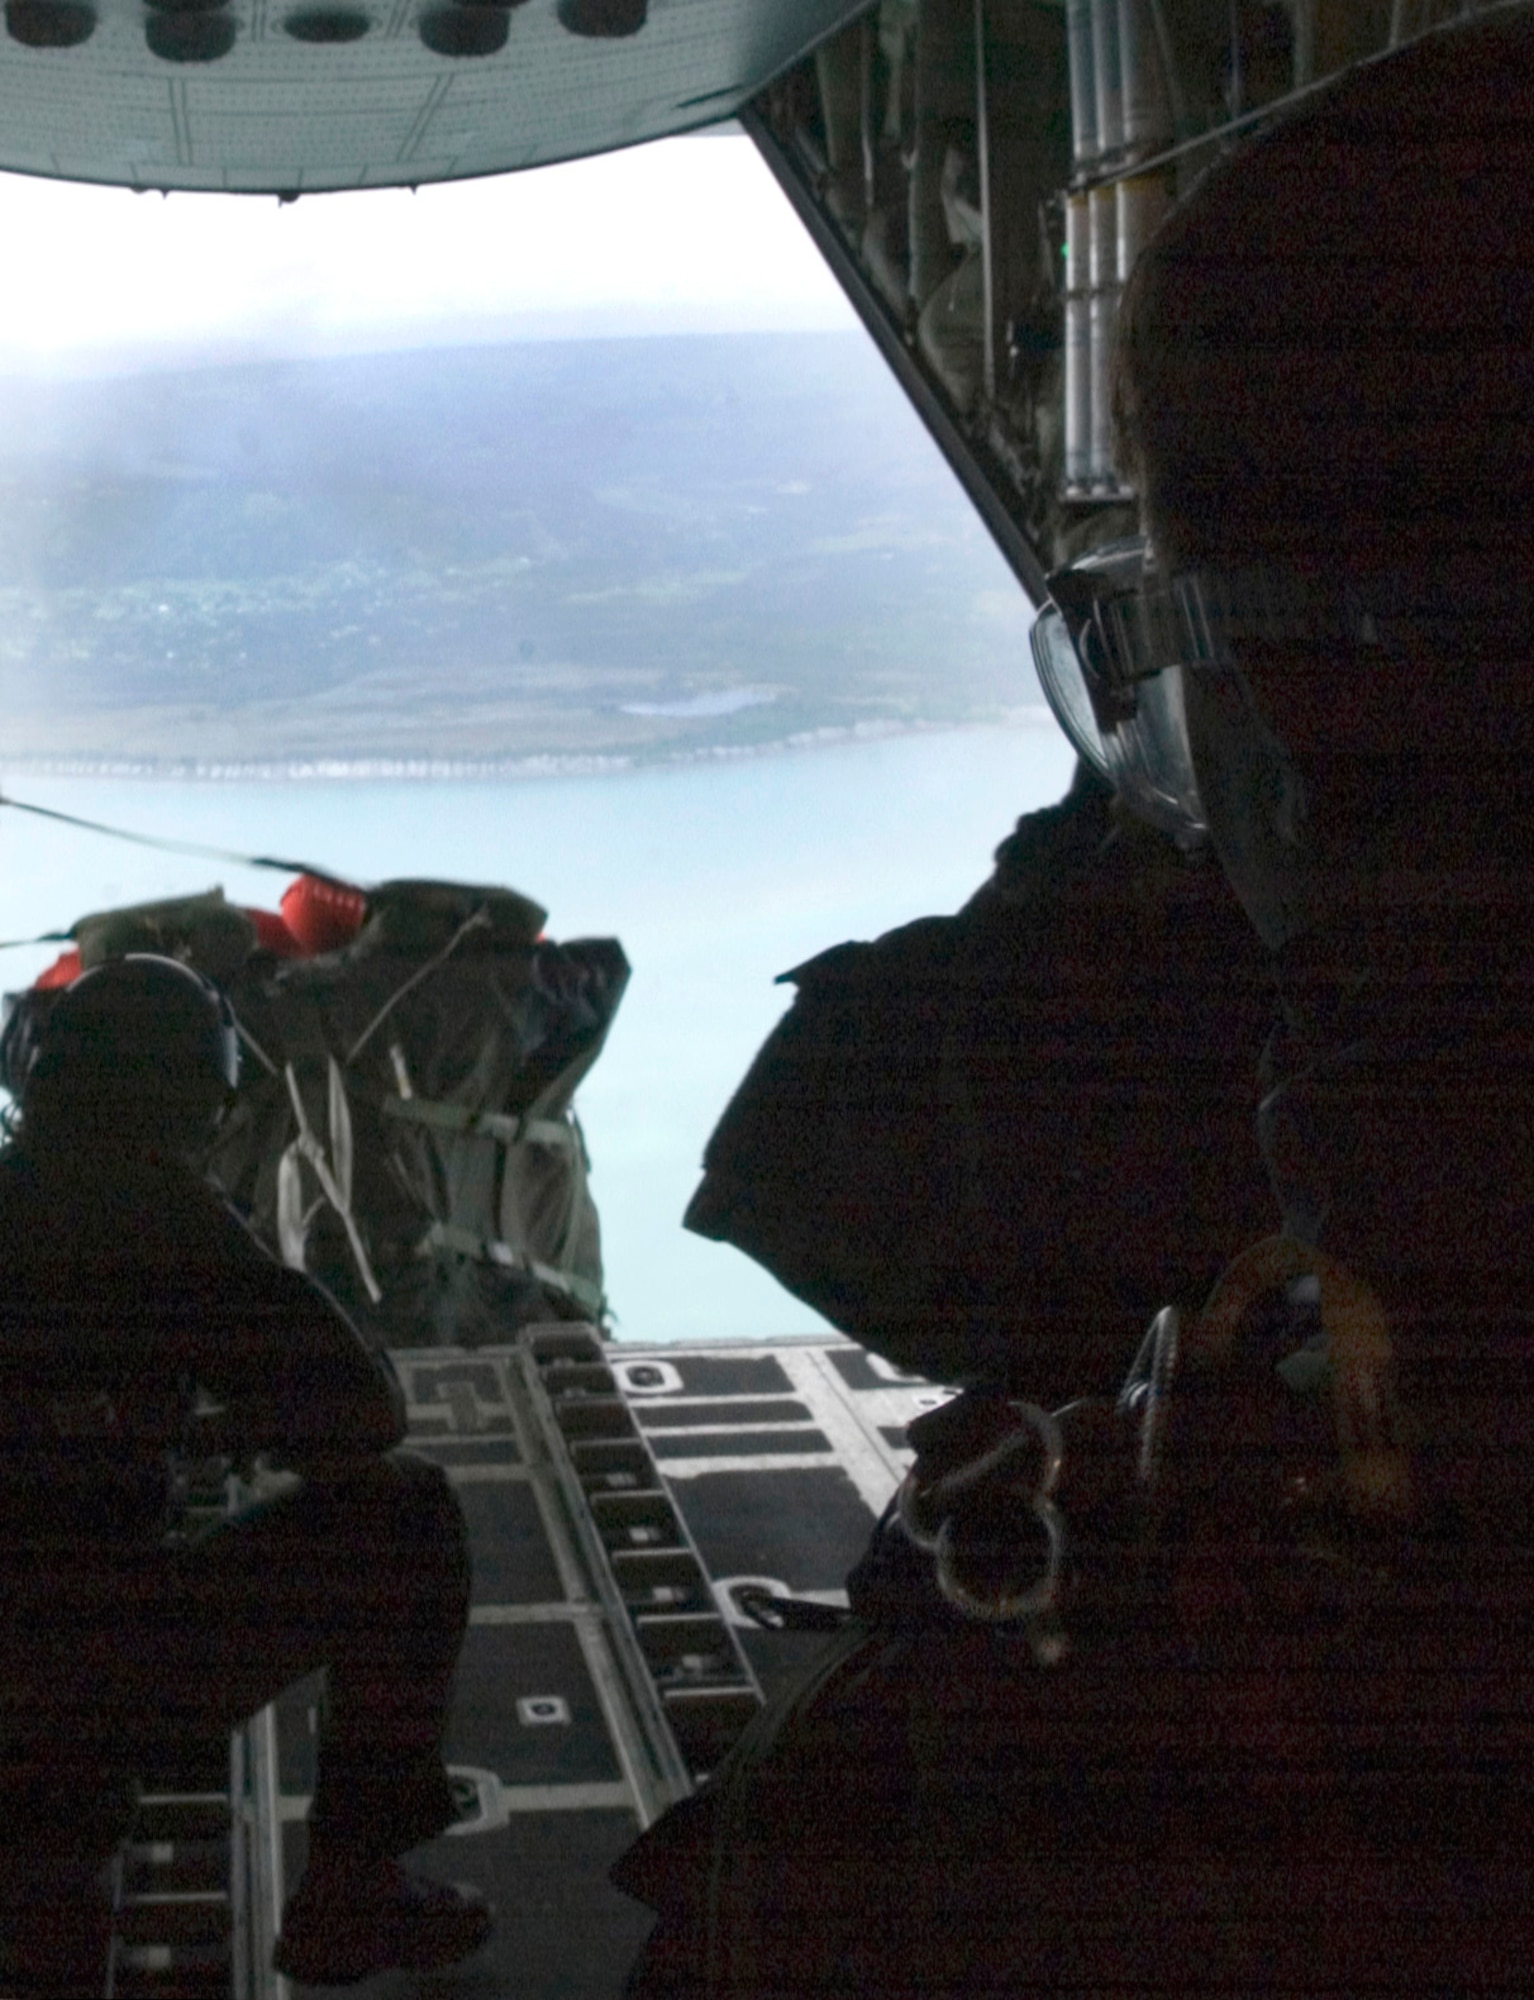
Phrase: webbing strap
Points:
(333, 1171)
(490, 1250)
(477, 920)
(511, 1131)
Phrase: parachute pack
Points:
(403, 1128)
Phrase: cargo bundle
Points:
(404, 1127)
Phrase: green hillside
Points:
(609, 547)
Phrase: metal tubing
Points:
(992, 360)
(977, 469)
(1102, 320)
(1078, 32)
(1078, 349)
(1102, 316)
(1078, 395)
(1109, 76)
(1148, 122)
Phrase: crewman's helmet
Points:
(1320, 657)
(143, 1049)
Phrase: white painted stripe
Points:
(532, 1614)
(157, 1898)
(486, 1475)
(713, 1350)
(772, 1461)
(871, 1465)
(568, 1798)
(640, 1400)
(609, 1797)
(655, 1432)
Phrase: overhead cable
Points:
(165, 846)
(180, 846)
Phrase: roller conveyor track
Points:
(173, 1915)
(173, 1880)
(617, 1499)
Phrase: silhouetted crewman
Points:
(131, 1298)
(1260, 1716)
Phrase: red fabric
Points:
(64, 970)
(273, 935)
(323, 916)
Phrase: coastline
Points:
(531, 768)
(717, 877)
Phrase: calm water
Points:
(715, 876)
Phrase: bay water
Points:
(716, 875)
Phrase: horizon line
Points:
(550, 330)
(531, 766)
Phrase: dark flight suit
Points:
(968, 1145)
(1290, 1747)
(123, 1639)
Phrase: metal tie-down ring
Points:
(1003, 1606)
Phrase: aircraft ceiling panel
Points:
(284, 96)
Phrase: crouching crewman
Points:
(130, 1294)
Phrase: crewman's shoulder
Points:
(209, 1227)
(150, 1214)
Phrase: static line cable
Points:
(479, 920)
(173, 847)
(252, 1044)
(43, 937)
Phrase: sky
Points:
(644, 241)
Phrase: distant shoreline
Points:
(332, 770)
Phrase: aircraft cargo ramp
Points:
(617, 1499)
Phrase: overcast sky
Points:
(687, 235)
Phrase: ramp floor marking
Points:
(614, 1796)
(535, 1614)
(871, 1464)
(772, 1461)
(483, 1475)
(663, 1431)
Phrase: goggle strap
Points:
(1193, 618)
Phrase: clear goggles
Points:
(1120, 644)
(1109, 654)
